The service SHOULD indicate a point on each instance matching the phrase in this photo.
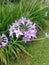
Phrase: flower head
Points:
(29, 30)
(3, 40)
(23, 27)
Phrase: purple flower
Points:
(30, 34)
(18, 33)
(22, 20)
(3, 40)
(11, 30)
(23, 27)
(26, 38)
(28, 22)
(14, 28)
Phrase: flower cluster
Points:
(3, 40)
(24, 28)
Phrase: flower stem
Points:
(38, 39)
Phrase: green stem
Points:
(40, 28)
(38, 39)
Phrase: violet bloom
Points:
(11, 31)
(14, 28)
(30, 34)
(26, 38)
(22, 20)
(28, 29)
(23, 27)
(18, 33)
(3, 40)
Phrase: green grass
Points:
(39, 50)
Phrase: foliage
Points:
(11, 12)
